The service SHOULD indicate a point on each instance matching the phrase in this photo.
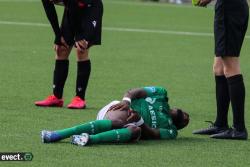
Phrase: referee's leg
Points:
(222, 94)
(236, 90)
(236, 23)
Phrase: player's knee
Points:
(118, 123)
(231, 66)
(135, 132)
(62, 53)
(218, 70)
(82, 55)
(231, 71)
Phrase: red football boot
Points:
(50, 101)
(77, 103)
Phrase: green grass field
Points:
(143, 44)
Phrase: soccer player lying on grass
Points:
(144, 113)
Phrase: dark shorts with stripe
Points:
(68, 27)
(230, 26)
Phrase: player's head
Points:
(179, 117)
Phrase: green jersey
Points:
(154, 109)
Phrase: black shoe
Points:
(231, 133)
(212, 129)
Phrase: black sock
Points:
(222, 101)
(60, 76)
(237, 95)
(83, 73)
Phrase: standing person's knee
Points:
(231, 71)
(218, 67)
(82, 56)
(136, 132)
(218, 70)
(231, 66)
(62, 53)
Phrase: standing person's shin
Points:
(83, 73)
(237, 96)
(82, 78)
(222, 101)
(236, 90)
(60, 76)
(222, 93)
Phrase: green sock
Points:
(116, 135)
(92, 127)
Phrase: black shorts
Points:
(230, 26)
(69, 28)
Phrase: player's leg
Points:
(236, 90)
(222, 94)
(118, 134)
(92, 127)
(61, 70)
(62, 54)
(112, 120)
(222, 100)
(59, 79)
(61, 66)
(237, 96)
(93, 37)
(236, 24)
(131, 133)
(82, 78)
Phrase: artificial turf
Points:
(143, 44)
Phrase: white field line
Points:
(169, 32)
(134, 3)
(24, 24)
(120, 29)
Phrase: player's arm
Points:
(151, 133)
(86, 29)
(130, 95)
(161, 133)
(144, 92)
(53, 19)
(138, 93)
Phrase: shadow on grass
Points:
(85, 109)
(178, 141)
(182, 141)
(65, 108)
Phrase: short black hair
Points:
(179, 119)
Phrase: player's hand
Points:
(133, 117)
(123, 105)
(82, 45)
(203, 3)
(63, 44)
(57, 2)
